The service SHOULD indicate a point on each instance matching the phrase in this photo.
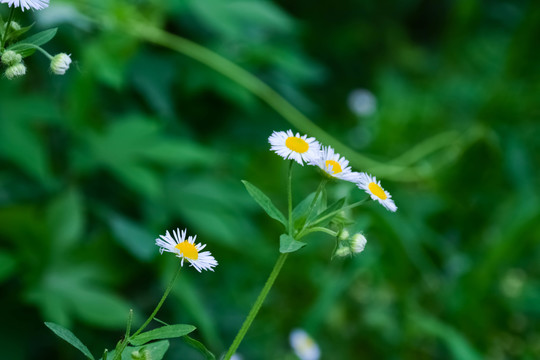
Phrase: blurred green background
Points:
(135, 139)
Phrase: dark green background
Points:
(136, 139)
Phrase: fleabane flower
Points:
(187, 250)
(373, 188)
(60, 63)
(334, 165)
(27, 4)
(303, 345)
(295, 147)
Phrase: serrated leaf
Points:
(265, 202)
(200, 347)
(68, 336)
(164, 332)
(27, 46)
(288, 244)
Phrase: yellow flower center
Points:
(296, 144)
(377, 191)
(336, 168)
(188, 250)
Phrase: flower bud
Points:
(350, 245)
(15, 26)
(60, 63)
(142, 354)
(15, 71)
(10, 57)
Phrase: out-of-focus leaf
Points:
(288, 244)
(134, 238)
(164, 332)
(237, 18)
(68, 336)
(7, 265)
(265, 202)
(65, 219)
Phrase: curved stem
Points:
(6, 30)
(315, 229)
(120, 348)
(256, 306)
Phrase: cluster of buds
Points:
(350, 245)
(13, 62)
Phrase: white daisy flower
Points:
(373, 188)
(60, 63)
(334, 165)
(298, 148)
(187, 249)
(303, 345)
(27, 4)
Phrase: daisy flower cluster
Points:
(303, 149)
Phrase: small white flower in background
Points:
(362, 102)
(295, 147)
(334, 165)
(236, 357)
(27, 4)
(15, 71)
(373, 188)
(60, 63)
(187, 249)
(303, 345)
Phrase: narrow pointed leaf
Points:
(68, 336)
(265, 202)
(326, 216)
(288, 244)
(164, 332)
(208, 355)
(27, 46)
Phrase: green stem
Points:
(315, 229)
(289, 198)
(8, 25)
(256, 306)
(125, 341)
(333, 213)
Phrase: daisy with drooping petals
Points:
(27, 4)
(295, 147)
(334, 165)
(303, 345)
(373, 188)
(187, 249)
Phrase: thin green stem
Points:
(120, 348)
(256, 306)
(40, 49)
(6, 30)
(315, 229)
(289, 199)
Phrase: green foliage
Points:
(288, 244)
(68, 336)
(27, 47)
(164, 332)
(265, 202)
(137, 138)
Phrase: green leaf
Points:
(288, 244)
(68, 336)
(156, 350)
(27, 46)
(265, 202)
(200, 347)
(133, 237)
(164, 332)
(15, 34)
(326, 216)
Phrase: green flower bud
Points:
(60, 63)
(15, 26)
(10, 57)
(15, 71)
(142, 354)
